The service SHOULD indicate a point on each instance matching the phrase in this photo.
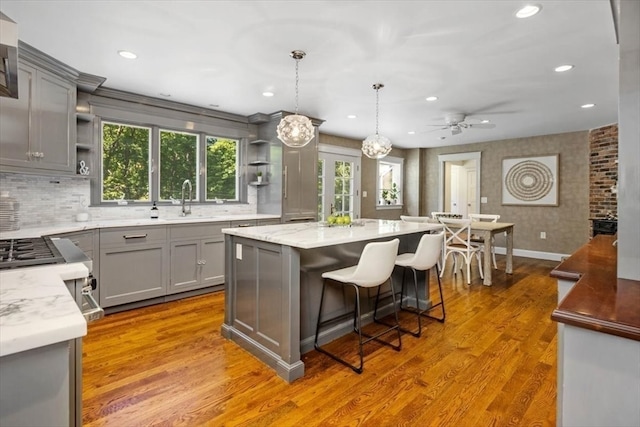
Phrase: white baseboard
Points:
(551, 256)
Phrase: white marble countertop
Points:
(310, 235)
(70, 227)
(36, 309)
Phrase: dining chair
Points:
(457, 242)
(372, 271)
(426, 256)
(407, 218)
(477, 240)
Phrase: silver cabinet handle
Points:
(286, 181)
(303, 218)
(134, 236)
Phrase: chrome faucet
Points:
(186, 212)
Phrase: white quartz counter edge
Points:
(36, 309)
(310, 235)
(71, 227)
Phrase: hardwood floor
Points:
(492, 363)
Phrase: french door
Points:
(338, 183)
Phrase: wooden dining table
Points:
(486, 230)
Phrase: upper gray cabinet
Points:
(293, 190)
(38, 130)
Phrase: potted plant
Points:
(259, 176)
(391, 195)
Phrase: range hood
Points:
(8, 57)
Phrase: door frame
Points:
(442, 158)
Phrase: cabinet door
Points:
(212, 268)
(55, 127)
(15, 117)
(300, 192)
(133, 274)
(185, 266)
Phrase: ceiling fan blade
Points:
(481, 125)
(455, 130)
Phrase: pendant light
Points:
(296, 130)
(376, 146)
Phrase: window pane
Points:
(125, 162)
(178, 161)
(222, 170)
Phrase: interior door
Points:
(338, 185)
(471, 192)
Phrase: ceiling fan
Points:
(455, 123)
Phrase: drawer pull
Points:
(134, 236)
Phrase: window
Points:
(338, 181)
(390, 172)
(125, 162)
(222, 171)
(130, 154)
(178, 162)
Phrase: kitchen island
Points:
(273, 284)
(38, 320)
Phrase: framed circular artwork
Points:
(530, 181)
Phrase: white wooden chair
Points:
(372, 271)
(477, 240)
(458, 243)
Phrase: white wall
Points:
(629, 142)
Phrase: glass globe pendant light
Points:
(376, 146)
(296, 130)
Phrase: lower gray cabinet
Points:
(196, 261)
(133, 264)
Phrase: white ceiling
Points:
(476, 56)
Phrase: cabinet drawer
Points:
(131, 236)
(199, 231)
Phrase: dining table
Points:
(486, 230)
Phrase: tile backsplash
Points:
(46, 200)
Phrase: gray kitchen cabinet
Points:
(38, 130)
(197, 256)
(292, 192)
(300, 182)
(134, 264)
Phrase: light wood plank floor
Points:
(492, 363)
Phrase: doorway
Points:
(338, 182)
(459, 183)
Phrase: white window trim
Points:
(396, 160)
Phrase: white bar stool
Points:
(373, 270)
(424, 259)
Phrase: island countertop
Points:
(36, 309)
(309, 235)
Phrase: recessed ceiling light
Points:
(127, 54)
(432, 98)
(267, 94)
(352, 116)
(412, 132)
(563, 68)
(528, 11)
(484, 121)
(588, 106)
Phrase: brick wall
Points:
(603, 171)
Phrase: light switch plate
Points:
(483, 200)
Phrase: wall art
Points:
(530, 181)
